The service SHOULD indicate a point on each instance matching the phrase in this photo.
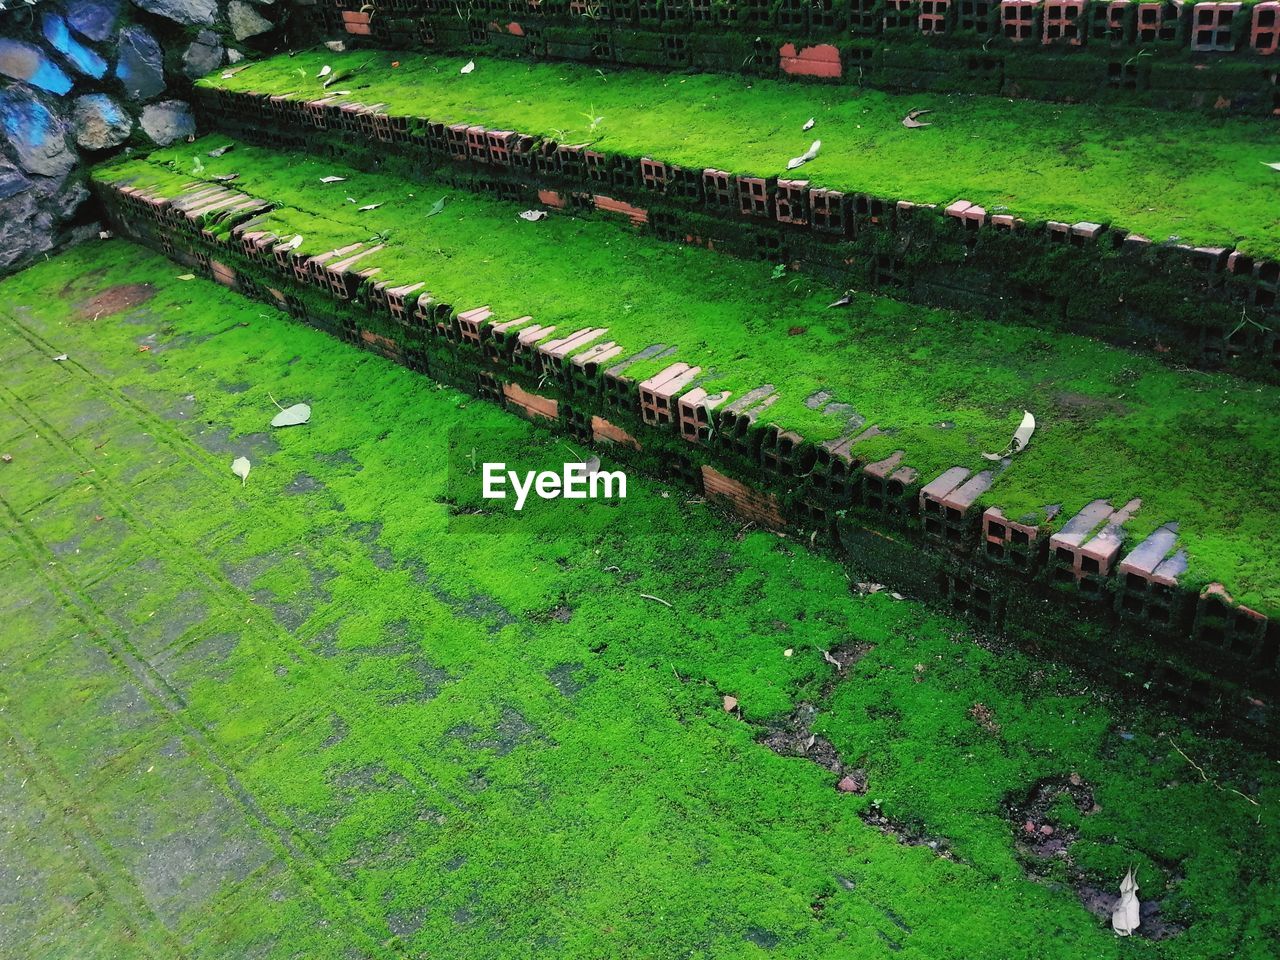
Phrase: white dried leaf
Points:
(1021, 437)
(105, 234)
(187, 276)
(911, 122)
(371, 206)
(471, 65)
(533, 215)
(1126, 917)
(336, 46)
(805, 157)
(240, 467)
(332, 179)
(295, 243)
(219, 151)
(809, 125)
(324, 71)
(60, 358)
(293, 416)
(1273, 166)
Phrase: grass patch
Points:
(1197, 448)
(1157, 173)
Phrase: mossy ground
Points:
(1199, 449)
(300, 716)
(1160, 174)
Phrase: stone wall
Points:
(82, 79)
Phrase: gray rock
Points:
(32, 214)
(203, 56)
(141, 64)
(26, 61)
(93, 19)
(100, 122)
(168, 121)
(234, 55)
(245, 21)
(191, 12)
(37, 135)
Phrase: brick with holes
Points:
(659, 391)
(694, 410)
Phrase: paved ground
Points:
(334, 712)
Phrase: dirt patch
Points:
(907, 833)
(1039, 836)
(114, 300)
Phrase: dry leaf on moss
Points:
(240, 467)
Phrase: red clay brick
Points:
(822, 60)
(744, 501)
(530, 404)
(602, 429)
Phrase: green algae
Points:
(1197, 448)
(455, 770)
(1157, 173)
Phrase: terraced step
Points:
(1088, 235)
(875, 410)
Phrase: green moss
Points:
(368, 734)
(1156, 173)
(1197, 448)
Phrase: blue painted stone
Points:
(25, 61)
(80, 57)
(38, 136)
(93, 19)
(141, 64)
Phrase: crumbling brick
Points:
(822, 60)
(638, 216)
(749, 504)
(829, 212)
(792, 201)
(1008, 542)
(530, 404)
(654, 174)
(602, 429)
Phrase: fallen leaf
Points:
(843, 301)
(437, 207)
(293, 416)
(295, 243)
(897, 596)
(6, 457)
(1021, 437)
(809, 125)
(910, 119)
(1273, 166)
(146, 347)
(788, 652)
(533, 216)
(805, 157)
(187, 276)
(59, 358)
(371, 206)
(394, 64)
(219, 151)
(240, 467)
(471, 65)
(730, 703)
(225, 177)
(332, 179)
(324, 72)
(1127, 915)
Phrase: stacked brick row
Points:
(850, 238)
(1049, 49)
(998, 570)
